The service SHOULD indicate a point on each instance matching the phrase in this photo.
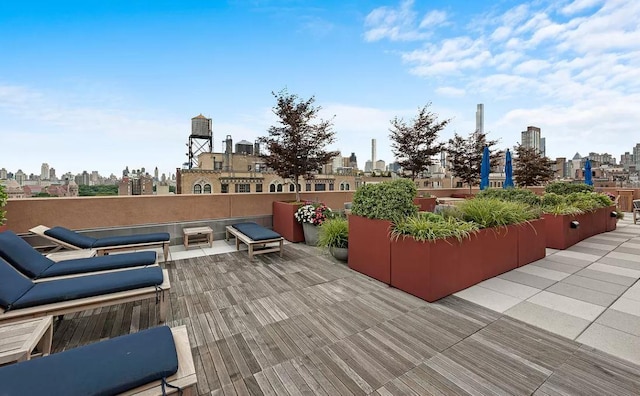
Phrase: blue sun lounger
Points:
(73, 240)
(34, 265)
(22, 297)
(155, 361)
(255, 235)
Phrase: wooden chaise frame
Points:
(185, 378)
(101, 251)
(240, 237)
(104, 300)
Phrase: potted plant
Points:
(334, 235)
(3, 213)
(425, 202)
(311, 215)
(372, 209)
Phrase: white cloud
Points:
(579, 5)
(451, 91)
(401, 23)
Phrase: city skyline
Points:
(103, 86)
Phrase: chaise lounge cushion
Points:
(256, 231)
(34, 265)
(22, 255)
(104, 368)
(88, 286)
(13, 284)
(86, 242)
(100, 263)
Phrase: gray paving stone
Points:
(552, 265)
(528, 279)
(583, 294)
(620, 263)
(629, 250)
(568, 260)
(607, 277)
(548, 319)
(621, 321)
(613, 341)
(595, 284)
(603, 241)
(588, 250)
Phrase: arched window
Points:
(197, 189)
(344, 186)
(292, 187)
(279, 187)
(207, 188)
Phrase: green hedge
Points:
(387, 200)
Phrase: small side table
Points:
(71, 254)
(19, 339)
(198, 233)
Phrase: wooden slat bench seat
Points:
(254, 235)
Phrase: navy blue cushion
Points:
(88, 286)
(104, 368)
(256, 231)
(22, 255)
(100, 263)
(131, 239)
(13, 284)
(71, 237)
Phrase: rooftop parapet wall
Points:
(121, 211)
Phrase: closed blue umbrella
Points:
(588, 180)
(508, 171)
(485, 168)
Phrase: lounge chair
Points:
(21, 297)
(156, 361)
(636, 209)
(255, 235)
(72, 240)
(34, 265)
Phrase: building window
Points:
(344, 186)
(307, 187)
(207, 188)
(292, 188)
(459, 184)
(243, 188)
(272, 188)
(426, 184)
(197, 189)
(331, 187)
(321, 187)
(279, 188)
(258, 187)
(224, 188)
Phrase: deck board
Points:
(306, 324)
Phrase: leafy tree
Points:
(296, 146)
(465, 156)
(414, 144)
(89, 191)
(530, 168)
(43, 194)
(3, 201)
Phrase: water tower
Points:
(200, 140)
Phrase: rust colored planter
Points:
(610, 222)
(284, 222)
(425, 204)
(560, 235)
(370, 247)
(499, 250)
(532, 241)
(589, 224)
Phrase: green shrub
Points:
(561, 209)
(511, 195)
(334, 232)
(603, 199)
(563, 188)
(387, 200)
(552, 199)
(426, 226)
(492, 212)
(585, 201)
(3, 202)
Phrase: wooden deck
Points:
(306, 324)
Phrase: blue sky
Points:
(100, 85)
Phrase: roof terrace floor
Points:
(307, 324)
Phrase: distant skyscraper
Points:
(353, 161)
(531, 138)
(373, 152)
(156, 173)
(44, 171)
(3, 174)
(480, 118)
(52, 174)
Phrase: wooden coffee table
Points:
(18, 340)
(198, 233)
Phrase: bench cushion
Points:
(100, 263)
(104, 368)
(88, 286)
(71, 237)
(13, 285)
(131, 239)
(256, 231)
(22, 255)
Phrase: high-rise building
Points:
(44, 171)
(3, 174)
(353, 161)
(480, 118)
(52, 174)
(379, 165)
(368, 166)
(156, 174)
(531, 138)
(373, 152)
